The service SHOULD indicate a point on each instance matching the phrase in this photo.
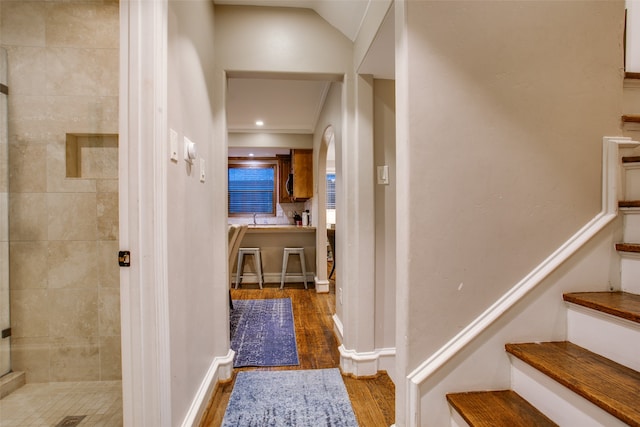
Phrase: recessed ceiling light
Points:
(250, 154)
(259, 123)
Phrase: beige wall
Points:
(63, 78)
(502, 109)
(196, 211)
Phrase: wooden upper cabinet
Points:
(302, 166)
(284, 169)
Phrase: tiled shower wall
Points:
(63, 79)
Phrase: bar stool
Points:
(258, 263)
(285, 261)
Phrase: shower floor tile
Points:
(48, 404)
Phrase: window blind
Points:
(251, 190)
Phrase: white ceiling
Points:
(285, 106)
(345, 15)
(290, 105)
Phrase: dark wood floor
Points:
(372, 398)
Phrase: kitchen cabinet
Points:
(300, 165)
(284, 169)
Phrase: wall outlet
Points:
(340, 295)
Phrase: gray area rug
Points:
(301, 398)
(263, 333)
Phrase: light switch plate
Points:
(383, 175)
(202, 170)
(173, 144)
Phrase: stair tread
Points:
(620, 304)
(629, 204)
(605, 383)
(630, 75)
(628, 247)
(631, 118)
(497, 408)
(631, 159)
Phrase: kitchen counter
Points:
(270, 228)
(272, 239)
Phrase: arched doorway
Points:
(326, 157)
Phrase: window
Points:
(331, 191)
(252, 189)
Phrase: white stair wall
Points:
(609, 336)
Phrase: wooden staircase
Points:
(593, 377)
(563, 381)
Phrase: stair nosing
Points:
(620, 304)
(567, 367)
(628, 247)
(629, 204)
(631, 159)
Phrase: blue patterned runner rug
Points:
(300, 398)
(262, 333)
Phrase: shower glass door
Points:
(5, 324)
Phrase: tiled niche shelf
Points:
(92, 155)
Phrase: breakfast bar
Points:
(272, 239)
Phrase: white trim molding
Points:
(146, 367)
(366, 364)
(338, 328)
(221, 369)
(322, 286)
(610, 187)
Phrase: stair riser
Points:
(631, 97)
(631, 226)
(630, 272)
(632, 181)
(456, 419)
(556, 401)
(631, 130)
(614, 338)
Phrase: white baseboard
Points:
(367, 364)
(338, 328)
(221, 369)
(274, 278)
(322, 286)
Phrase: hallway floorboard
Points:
(372, 399)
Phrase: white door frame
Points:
(146, 371)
